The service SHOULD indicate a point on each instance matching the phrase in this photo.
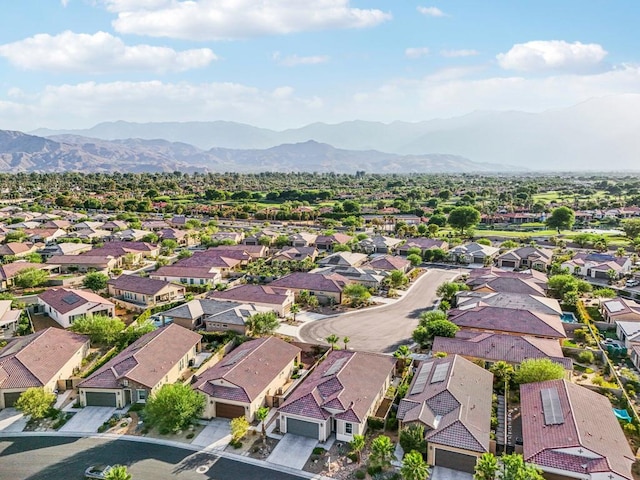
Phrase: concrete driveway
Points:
(11, 420)
(88, 419)
(216, 435)
(382, 329)
(293, 451)
(441, 473)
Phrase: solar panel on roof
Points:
(551, 406)
(440, 373)
(421, 379)
(335, 368)
(615, 306)
(235, 358)
(71, 299)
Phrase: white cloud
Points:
(416, 52)
(100, 52)
(295, 60)
(445, 93)
(233, 19)
(64, 3)
(431, 11)
(459, 53)
(552, 55)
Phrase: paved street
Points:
(382, 329)
(56, 458)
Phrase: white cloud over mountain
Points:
(100, 52)
(226, 20)
(543, 55)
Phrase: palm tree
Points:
(346, 340)
(332, 340)
(357, 444)
(403, 353)
(381, 451)
(503, 372)
(295, 309)
(486, 467)
(261, 415)
(414, 467)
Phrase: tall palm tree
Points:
(357, 444)
(332, 340)
(346, 340)
(403, 354)
(261, 415)
(486, 467)
(295, 309)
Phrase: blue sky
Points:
(286, 63)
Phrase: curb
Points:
(171, 443)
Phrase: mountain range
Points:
(67, 152)
(600, 134)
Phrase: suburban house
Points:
(343, 259)
(16, 249)
(364, 276)
(303, 239)
(509, 321)
(620, 309)
(388, 263)
(338, 396)
(520, 283)
(628, 333)
(155, 359)
(480, 276)
(327, 288)
(534, 303)
(45, 359)
(248, 378)
(115, 226)
(597, 265)
(451, 397)
(263, 237)
(277, 299)
(212, 315)
(379, 244)
(65, 305)
(144, 292)
(63, 249)
(571, 432)
(474, 253)
(526, 257)
(9, 319)
(86, 262)
(234, 237)
(180, 236)
(326, 242)
(188, 275)
(423, 244)
(44, 235)
(495, 347)
(129, 235)
(295, 254)
(120, 248)
(254, 251)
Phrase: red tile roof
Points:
(259, 362)
(495, 319)
(346, 381)
(455, 407)
(65, 300)
(388, 262)
(142, 285)
(253, 293)
(34, 360)
(147, 360)
(312, 281)
(588, 440)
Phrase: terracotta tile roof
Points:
(347, 381)
(535, 303)
(256, 251)
(34, 360)
(454, 403)
(253, 293)
(177, 271)
(497, 319)
(340, 238)
(142, 285)
(296, 253)
(10, 270)
(388, 262)
(247, 371)
(65, 300)
(493, 347)
(543, 254)
(587, 426)
(15, 248)
(312, 281)
(480, 275)
(521, 286)
(147, 360)
(424, 243)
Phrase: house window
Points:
(142, 395)
(348, 428)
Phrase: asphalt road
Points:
(382, 329)
(66, 458)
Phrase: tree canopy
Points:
(561, 218)
(174, 407)
(263, 323)
(538, 370)
(36, 402)
(95, 281)
(464, 218)
(101, 329)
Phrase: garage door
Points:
(600, 274)
(101, 399)
(302, 428)
(225, 410)
(508, 263)
(455, 461)
(10, 399)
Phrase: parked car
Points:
(97, 471)
(632, 283)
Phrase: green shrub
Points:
(360, 474)
(190, 435)
(375, 424)
(318, 451)
(374, 469)
(586, 356)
